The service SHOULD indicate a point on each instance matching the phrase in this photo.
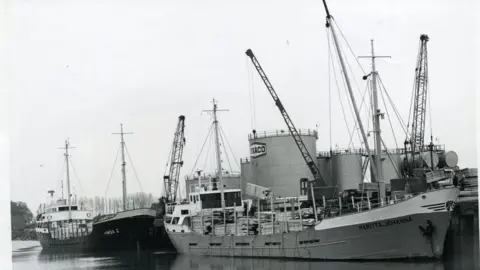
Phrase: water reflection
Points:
(113, 260)
(33, 257)
(184, 262)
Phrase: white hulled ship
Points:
(62, 223)
(412, 224)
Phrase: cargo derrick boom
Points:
(176, 162)
(293, 131)
(420, 98)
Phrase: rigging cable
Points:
(226, 153)
(348, 45)
(329, 90)
(209, 149)
(429, 103)
(413, 100)
(388, 115)
(355, 128)
(236, 162)
(76, 175)
(402, 124)
(111, 173)
(167, 167)
(251, 93)
(350, 106)
(133, 167)
(253, 98)
(344, 83)
(410, 110)
(350, 68)
(208, 135)
(338, 87)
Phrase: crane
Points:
(176, 162)
(420, 97)
(293, 131)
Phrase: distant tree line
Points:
(110, 205)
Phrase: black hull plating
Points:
(136, 232)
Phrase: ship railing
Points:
(208, 176)
(281, 133)
(340, 206)
(295, 219)
(362, 151)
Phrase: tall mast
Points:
(124, 176)
(217, 149)
(377, 114)
(67, 144)
(349, 87)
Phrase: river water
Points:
(28, 255)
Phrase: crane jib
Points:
(293, 131)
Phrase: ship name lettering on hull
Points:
(385, 223)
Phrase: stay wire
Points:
(133, 167)
(402, 124)
(352, 111)
(348, 45)
(201, 150)
(228, 144)
(329, 89)
(349, 66)
(388, 115)
(111, 173)
(209, 149)
(350, 106)
(76, 176)
(226, 153)
(167, 166)
(413, 100)
(368, 114)
(338, 89)
(249, 92)
(429, 96)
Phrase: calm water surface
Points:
(28, 255)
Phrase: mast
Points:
(69, 202)
(377, 114)
(124, 176)
(349, 87)
(217, 149)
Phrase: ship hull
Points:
(390, 232)
(72, 244)
(126, 230)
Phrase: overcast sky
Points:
(79, 69)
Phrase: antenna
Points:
(124, 177)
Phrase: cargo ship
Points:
(409, 223)
(62, 224)
(127, 229)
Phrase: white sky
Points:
(144, 63)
